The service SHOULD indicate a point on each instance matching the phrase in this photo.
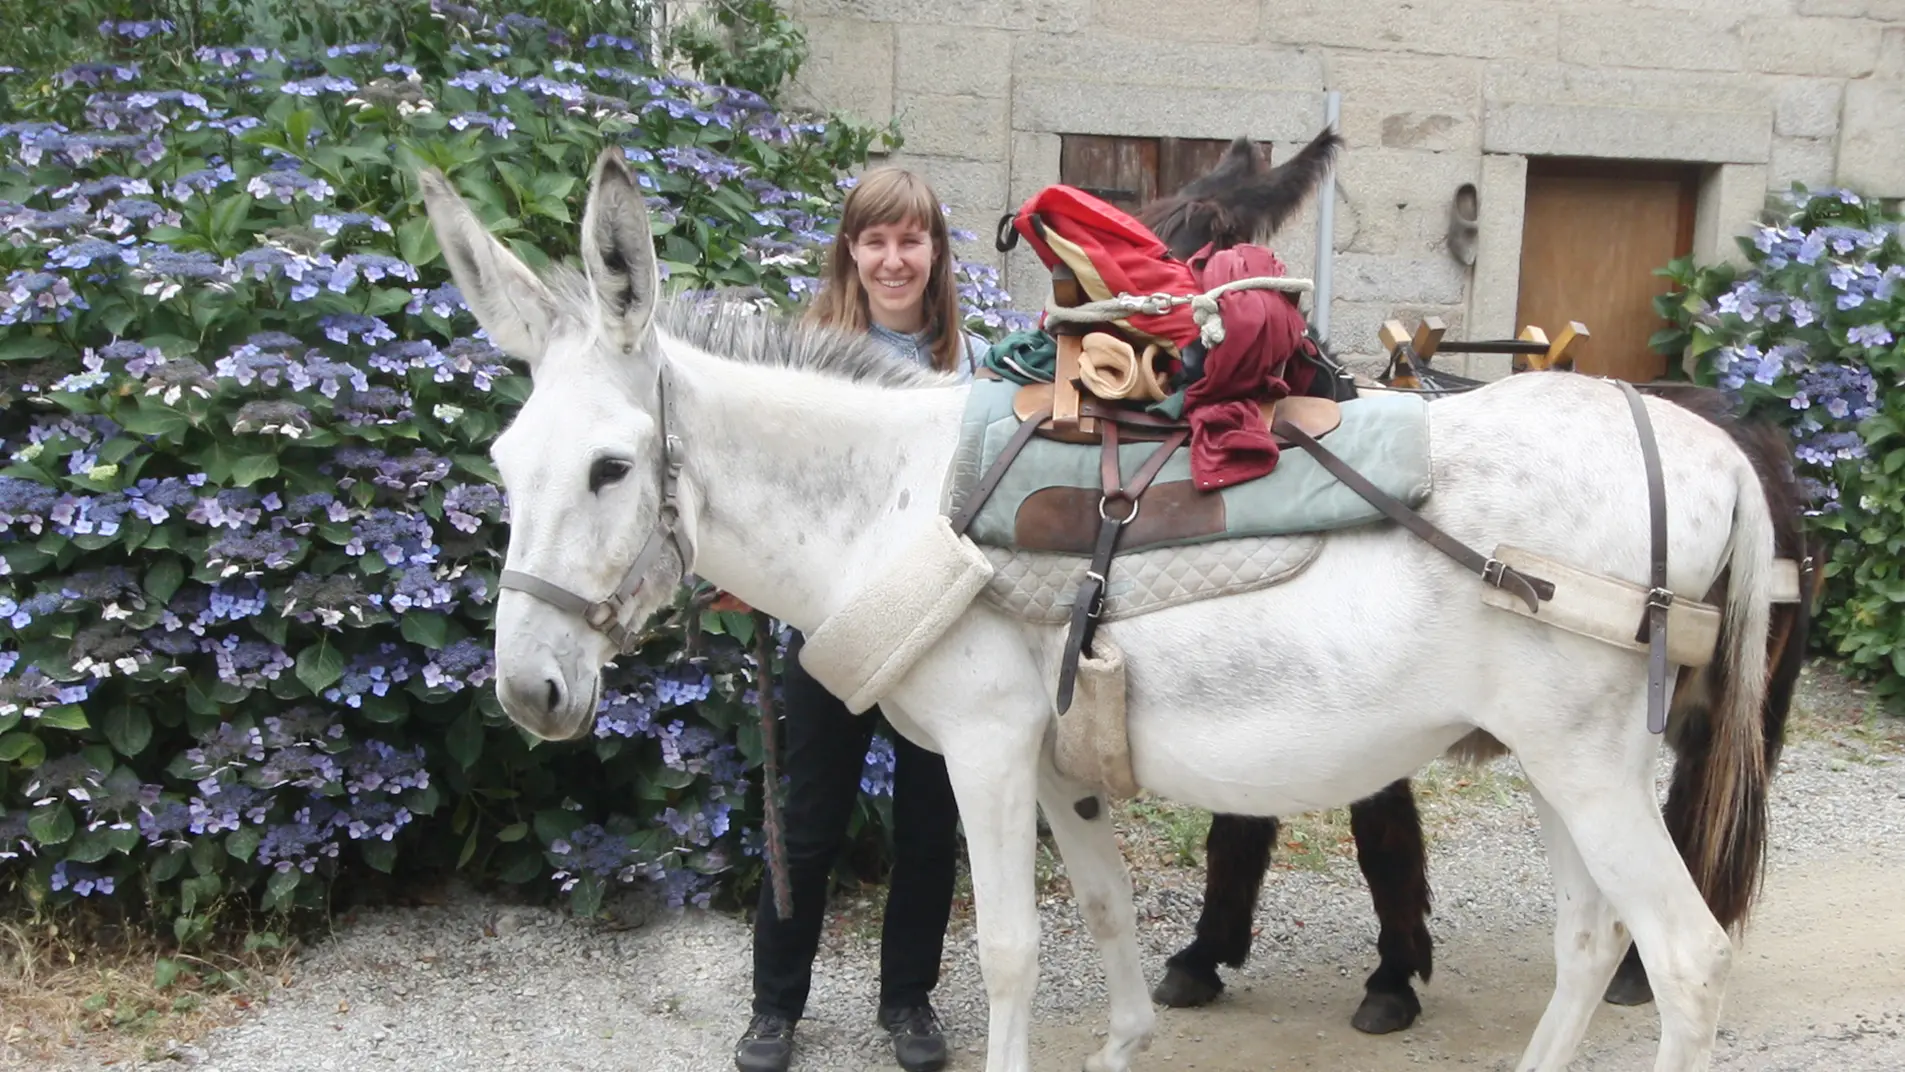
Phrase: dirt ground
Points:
(1824, 962)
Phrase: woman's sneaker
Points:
(918, 1043)
(767, 1045)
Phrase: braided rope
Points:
(1204, 311)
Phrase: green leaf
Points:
(129, 729)
(228, 215)
(242, 843)
(738, 625)
(22, 748)
(379, 854)
(165, 973)
(465, 739)
(320, 667)
(65, 717)
(513, 832)
(51, 825)
(523, 864)
(153, 419)
(9, 720)
(297, 130)
(586, 898)
(205, 857)
(90, 847)
(199, 888)
(253, 468)
(554, 824)
(27, 348)
(164, 578)
(168, 865)
(469, 848)
(430, 630)
(416, 242)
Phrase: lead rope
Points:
(776, 847)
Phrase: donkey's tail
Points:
(1727, 829)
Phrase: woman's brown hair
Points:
(888, 195)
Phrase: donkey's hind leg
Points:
(1101, 885)
(1600, 791)
(1236, 853)
(1395, 864)
(1588, 942)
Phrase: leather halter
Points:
(605, 615)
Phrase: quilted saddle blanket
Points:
(1038, 525)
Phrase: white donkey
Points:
(788, 465)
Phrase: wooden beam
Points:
(1392, 335)
(1557, 350)
(1531, 362)
(1428, 337)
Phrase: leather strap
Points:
(1531, 590)
(1091, 407)
(1090, 601)
(990, 482)
(1654, 628)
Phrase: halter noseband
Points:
(605, 615)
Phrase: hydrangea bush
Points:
(1812, 334)
(249, 533)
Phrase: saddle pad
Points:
(1040, 586)
(1048, 500)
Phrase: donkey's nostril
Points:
(554, 694)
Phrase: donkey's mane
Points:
(733, 329)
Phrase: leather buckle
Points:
(1659, 597)
(1494, 571)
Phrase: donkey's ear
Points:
(509, 301)
(618, 251)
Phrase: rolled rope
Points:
(1204, 309)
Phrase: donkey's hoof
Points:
(1383, 1012)
(1179, 989)
(1630, 985)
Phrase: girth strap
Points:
(1531, 590)
(1654, 628)
(1090, 601)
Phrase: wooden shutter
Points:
(1131, 171)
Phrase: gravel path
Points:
(482, 985)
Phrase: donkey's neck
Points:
(802, 483)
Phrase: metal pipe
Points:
(1326, 227)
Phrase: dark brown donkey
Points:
(1242, 200)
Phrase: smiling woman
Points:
(889, 274)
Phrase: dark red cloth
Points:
(1230, 443)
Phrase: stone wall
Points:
(1763, 92)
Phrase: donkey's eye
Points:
(605, 471)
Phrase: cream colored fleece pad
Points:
(1092, 745)
(861, 652)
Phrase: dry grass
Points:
(81, 987)
(1834, 709)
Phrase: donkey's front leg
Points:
(1101, 884)
(993, 772)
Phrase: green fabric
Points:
(1034, 352)
(1385, 437)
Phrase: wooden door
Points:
(1131, 171)
(1592, 235)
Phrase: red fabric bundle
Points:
(1124, 255)
(1230, 443)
